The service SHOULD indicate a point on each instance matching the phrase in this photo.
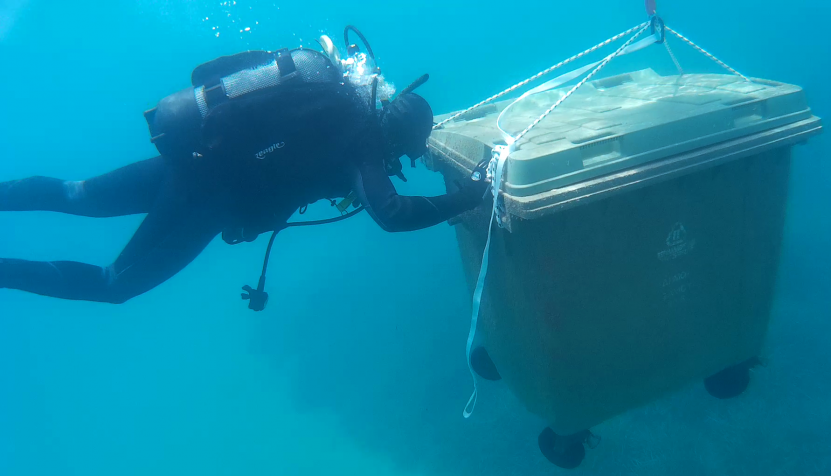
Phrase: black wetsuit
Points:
(309, 143)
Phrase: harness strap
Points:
(285, 63)
(215, 94)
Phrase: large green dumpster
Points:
(643, 223)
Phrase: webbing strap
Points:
(496, 168)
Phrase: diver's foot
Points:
(482, 364)
(732, 381)
(567, 452)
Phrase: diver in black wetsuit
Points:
(253, 161)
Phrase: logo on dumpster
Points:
(678, 244)
(677, 235)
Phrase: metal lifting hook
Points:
(656, 23)
(657, 27)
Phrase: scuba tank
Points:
(176, 122)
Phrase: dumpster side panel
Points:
(598, 309)
(765, 216)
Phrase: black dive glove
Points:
(477, 186)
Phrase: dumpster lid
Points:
(617, 124)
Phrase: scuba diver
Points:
(257, 137)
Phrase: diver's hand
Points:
(477, 186)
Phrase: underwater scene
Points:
(249, 237)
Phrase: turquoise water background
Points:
(357, 366)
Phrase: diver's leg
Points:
(171, 236)
(119, 282)
(125, 191)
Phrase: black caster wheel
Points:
(732, 381)
(567, 452)
(482, 364)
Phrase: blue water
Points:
(357, 366)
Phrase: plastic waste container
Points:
(643, 223)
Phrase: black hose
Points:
(374, 93)
(303, 223)
(267, 254)
(326, 221)
(360, 35)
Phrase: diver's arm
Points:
(396, 213)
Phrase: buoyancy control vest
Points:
(176, 122)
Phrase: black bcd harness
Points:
(177, 122)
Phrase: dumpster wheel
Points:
(732, 381)
(567, 452)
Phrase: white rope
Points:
(674, 60)
(540, 74)
(702, 50)
(581, 83)
(566, 78)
